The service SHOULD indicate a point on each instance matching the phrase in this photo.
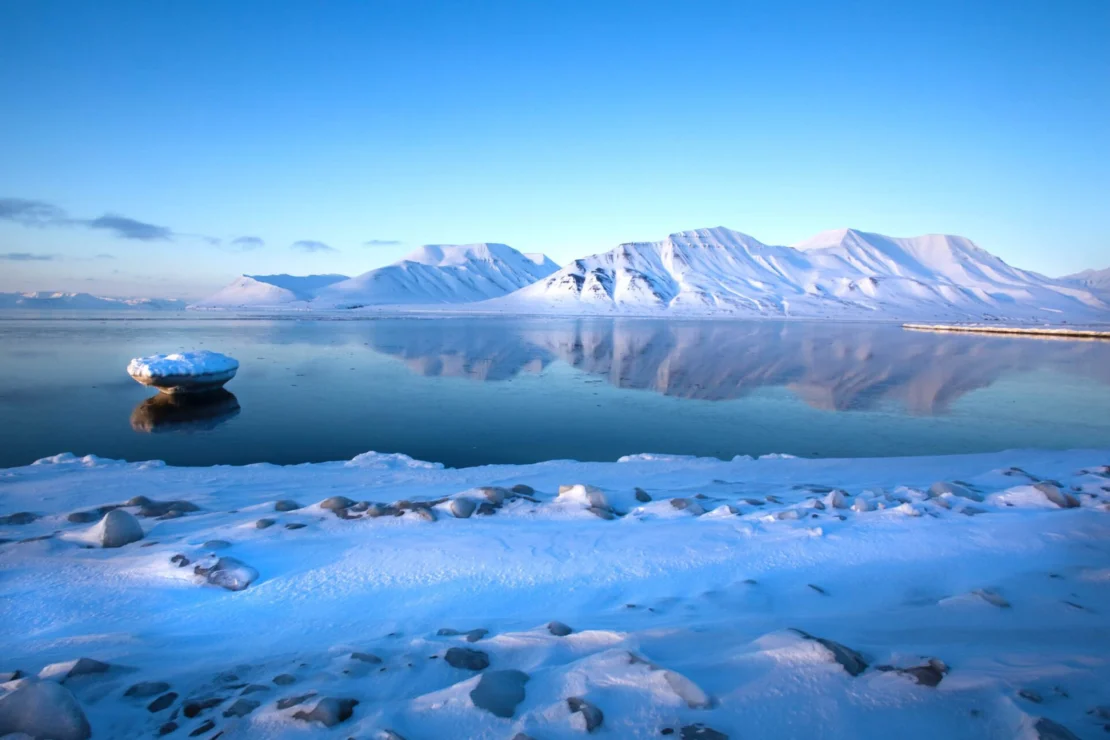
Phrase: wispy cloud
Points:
(104, 256)
(31, 212)
(129, 228)
(27, 257)
(382, 243)
(247, 243)
(308, 245)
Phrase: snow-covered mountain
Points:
(268, 291)
(844, 273)
(55, 301)
(1096, 281)
(440, 274)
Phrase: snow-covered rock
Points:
(184, 372)
(43, 710)
(117, 528)
(836, 273)
(440, 274)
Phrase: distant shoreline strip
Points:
(1018, 330)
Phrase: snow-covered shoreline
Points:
(683, 609)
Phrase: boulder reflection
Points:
(184, 413)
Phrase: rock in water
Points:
(43, 709)
(559, 629)
(1063, 499)
(467, 658)
(590, 712)
(499, 692)
(118, 528)
(462, 508)
(230, 573)
(329, 711)
(184, 372)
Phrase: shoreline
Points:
(1041, 332)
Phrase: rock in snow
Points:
(117, 528)
(591, 714)
(467, 658)
(43, 710)
(1063, 499)
(329, 711)
(499, 692)
(229, 573)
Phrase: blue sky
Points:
(335, 137)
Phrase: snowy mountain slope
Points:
(50, 300)
(439, 273)
(1096, 281)
(260, 291)
(844, 273)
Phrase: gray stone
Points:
(499, 692)
(992, 597)
(193, 708)
(286, 505)
(216, 545)
(559, 629)
(467, 658)
(43, 709)
(462, 508)
(285, 679)
(1063, 499)
(295, 525)
(229, 573)
(166, 509)
(292, 701)
(522, 489)
(423, 512)
(180, 560)
(1046, 729)
(689, 505)
(167, 728)
(147, 689)
(138, 501)
(74, 669)
(92, 515)
(265, 523)
(376, 510)
(118, 528)
(333, 503)
(241, 707)
(205, 726)
(590, 712)
(329, 711)
(849, 659)
(496, 495)
(601, 512)
(929, 674)
(366, 658)
(698, 731)
(642, 496)
(253, 688)
(163, 702)
(486, 509)
(956, 489)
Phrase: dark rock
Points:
(929, 674)
(475, 635)
(241, 707)
(522, 736)
(642, 496)
(590, 712)
(87, 517)
(486, 509)
(496, 495)
(229, 573)
(10, 676)
(391, 735)
(366, 658)
(422, 512)
(467, 658)
(118, 528)
(818, 589)
(956, 489)
(601, 512)
(202, 728)
(522, 489)
(1030, 695)
(138, 501)
(1063, 499)
(253, 688)
(86, 667)
(167, 728)
(285, 679)
(166, 509)
(180, 560)
(992, 597)
(193, 708)
(558, 629)
(286, 505)
(295, 525)
(376, 510)
(849, 659)
(360, 507)
(1046, 729)
(329, 711)
(499, 692)
(265, 523)
(216, 545)
(292, 701)
(165, 701)
(698, 731)
(43, 709)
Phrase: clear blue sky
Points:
(564, 127)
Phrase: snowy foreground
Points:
(389, 598)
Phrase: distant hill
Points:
(268, 291)
(49, 300)
(1096, 281)
(437, 274)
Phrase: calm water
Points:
(474, 391)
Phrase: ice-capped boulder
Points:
(43, 709)
(117, 528)
(229, 573)
(184, 372)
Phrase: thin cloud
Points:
(308, 245)
(382, 243)
(247, 243)
(129, 228)
(31, 212)
(27, 257)
(104, 256)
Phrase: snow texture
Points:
(813, 598)
(182, 364)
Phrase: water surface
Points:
(468, 391)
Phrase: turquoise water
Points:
(475, 391)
